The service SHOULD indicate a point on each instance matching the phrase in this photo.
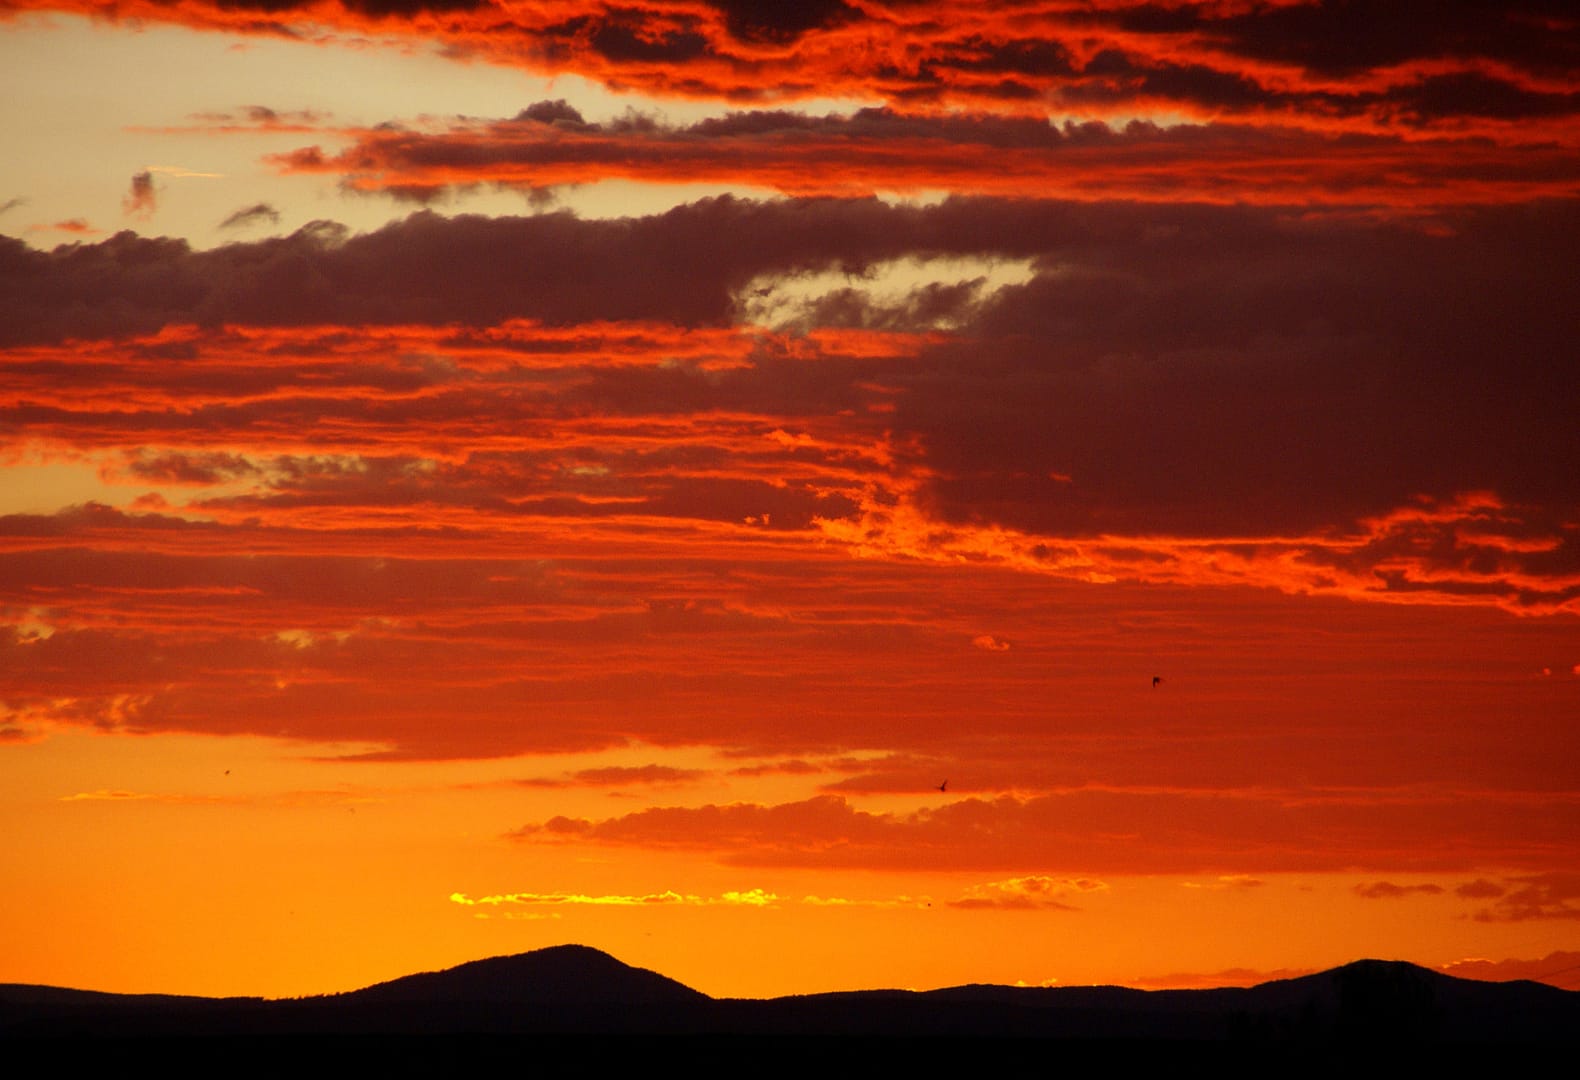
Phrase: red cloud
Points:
(1214, 979)
(1466, 68)
(878, 149)
(1556, 968)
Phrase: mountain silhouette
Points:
(572, 992)
(563, 974)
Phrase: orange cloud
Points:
(1407, 557)
(76, 226)
(1083, 830)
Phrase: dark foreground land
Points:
(574, 1008)
(812, 1056)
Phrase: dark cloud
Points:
(1023, 56)
(1346, 38)
(257, 214)
(1475, 94)
(179, 468)
(753, 20)
(1136, 374)
(478, 270)
(626, 42)
(1553, 895)
(552, 112)
(1112, 78)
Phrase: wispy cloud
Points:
(668, 898)
(1033, 892)
(619, 775)
(75, 226)
(1226, 882)
(1387, 890)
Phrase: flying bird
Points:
(944, 786)
(1155, 680)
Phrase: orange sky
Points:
(719, 487)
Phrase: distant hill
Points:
(564, 974)
(572, 990)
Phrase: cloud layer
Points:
(1373, 66)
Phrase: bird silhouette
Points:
(1155, 680)
(944, 786)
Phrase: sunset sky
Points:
(721, 483)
